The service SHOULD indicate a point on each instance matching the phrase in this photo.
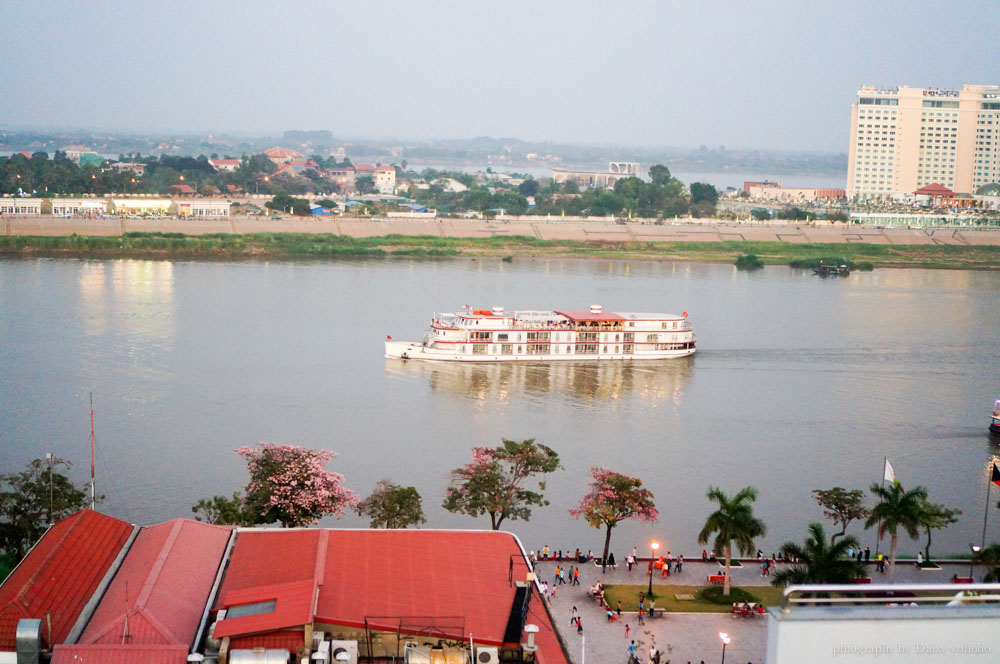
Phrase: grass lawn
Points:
(665, 598)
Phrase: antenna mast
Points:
(93, 488)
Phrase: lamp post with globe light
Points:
(972, 561)
(726, 639)
(653, 546)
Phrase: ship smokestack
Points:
(498, 311)
(595, 308)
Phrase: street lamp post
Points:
(653, 546)
(975, 549)
(725, 642)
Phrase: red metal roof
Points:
(60, 574)
(119, 654)
(366, 573)
(164, 581)
(293, 608)
(288, 639)
(587, 316)
(934, 190)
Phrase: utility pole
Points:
(48, 457)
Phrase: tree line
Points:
(292, 486)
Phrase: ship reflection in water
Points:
(648, 382)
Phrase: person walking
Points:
(619, 607)
(627, 630)
(630, 561)
(574, 616)
(868, 553)
(555, 578)
(679, 565)
(576, 576)
(579, 626)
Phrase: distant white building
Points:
(79, 207)
(617, 170)
(203, 208)
(144, 207)
(227, 165)
(31, 206)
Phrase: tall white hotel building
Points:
(906, 138)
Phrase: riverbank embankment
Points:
(962, 248)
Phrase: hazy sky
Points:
(763, 74)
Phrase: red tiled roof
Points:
(293, 608)
(167, 575)
(183, 188)
(386, 168)
(121, 654)
(224, 162)
(934, 190)
(60, 574)
(281, 153)
(587, 315)
(363, 167)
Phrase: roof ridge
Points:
(161, 560)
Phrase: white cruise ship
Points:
(490, 335)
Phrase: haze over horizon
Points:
(773, 75)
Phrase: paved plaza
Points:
(680, 637)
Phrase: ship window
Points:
(652, 337)
(505, 349)
(616, 349)
(663, 325)
(617, 339)
(631, 324)
(605, 350)
(501, 336)
(519, 348)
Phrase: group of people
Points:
(666, 564)
(547, 554)
(561, 573)
(654, 655)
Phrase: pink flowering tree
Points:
(613, 498)
(291, 484)
(494, 483)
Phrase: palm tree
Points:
(990, 558)
(733, 522)
(897, 509)
(817, 561)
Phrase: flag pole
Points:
(93, 488)
(878, 531)
(986, 512)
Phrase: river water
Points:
(798, 383)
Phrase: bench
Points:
(862, 579)
(717, 579)
(658, 613)
(962, 579)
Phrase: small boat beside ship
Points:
(492, 335)
(995, 419)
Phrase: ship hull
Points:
(415, 350)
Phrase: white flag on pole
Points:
(889, 474)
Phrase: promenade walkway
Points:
(680, 637)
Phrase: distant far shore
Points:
(699, 240)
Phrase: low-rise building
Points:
(775, 192)
(79, 207)
(282, 155)
(123, 166)
(224, 165)
(27, 206)
(617, 170)
(203, 208)
(142, 207)
(385, 179)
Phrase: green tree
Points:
(493, 483)
(897, 510)
(841, 506)
(613, 498)
(732, 523)
(528, 187)
(221, 511)
(989, 557)
(660, 175)
(571, 187)
(32, 500)
(392, 506)
(819, 562)
(703, 193)
(606, 203)
(364, 184)
(936, 517)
